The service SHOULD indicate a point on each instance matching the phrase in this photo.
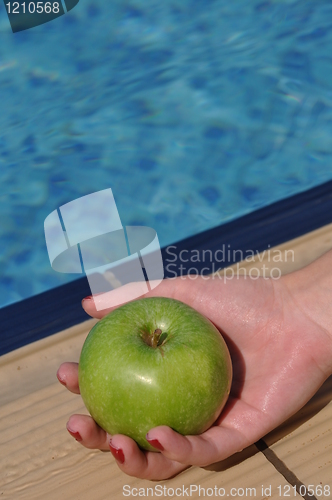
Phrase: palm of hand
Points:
(271, 342)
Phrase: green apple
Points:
(154, 361)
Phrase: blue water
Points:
(193, 112)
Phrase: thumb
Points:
(180, 288)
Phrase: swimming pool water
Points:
(193, 112)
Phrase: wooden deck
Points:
(39, 460)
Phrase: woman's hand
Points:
(281, 355)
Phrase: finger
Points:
(85, 430)
(68, 376)
(212, 446)
(144, 465)
(98, 305)
(179, 288)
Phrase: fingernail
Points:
(90, 297)
(61, 379)
(155, 443)
(117, 453)
(75, 435)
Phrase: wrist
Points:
(311, 288)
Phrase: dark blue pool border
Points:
(54, 310)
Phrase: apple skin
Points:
(130, 387)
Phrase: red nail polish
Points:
(155, 443)
(90, 297)
(75, 435)
(117, 453)
(61, 380)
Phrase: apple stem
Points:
(152, 339)
(155, 337)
